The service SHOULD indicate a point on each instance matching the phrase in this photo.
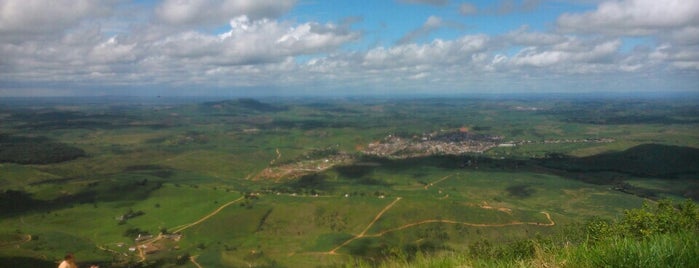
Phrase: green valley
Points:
(326, 182)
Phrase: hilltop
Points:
(240, 106)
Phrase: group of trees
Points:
(642, 223)
(31, 150)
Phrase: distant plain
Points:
(288, 182)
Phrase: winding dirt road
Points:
(548, 216)
(279, 155)
(181, 228)
(193, 259)
(409, 225)
(437, 181)
(25, 238)
(186, 226)
(363, 233)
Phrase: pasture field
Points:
(193, 178)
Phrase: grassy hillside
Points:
(662, 235)
(285, 183)
(645, 160)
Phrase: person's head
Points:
(68, 257)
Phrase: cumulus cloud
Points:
(632, 17)
(77, 56)
(680, 57)
(522, 36)
(267, 39)
(161, 56)
(171, 45)
(569, 52)
(36, 17)
(477, 61)
(205, 12)
(436, 53)
(113, 51)
(673, 23)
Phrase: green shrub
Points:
(663, 219)
(664, 235)
(660, 235)
(598, 229)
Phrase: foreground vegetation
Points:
(659, 235)
(321, 182)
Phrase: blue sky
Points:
(383, 23)
(313, 47)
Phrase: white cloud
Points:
(436, 53)
(36, 17)
(204, 12)
(680, 57)
(159, 55)
(522, 36)
(267, 40)
(672, 23)
(404, 68)
(172, 45)
(633, 17)
(572, 53)
(113, 51)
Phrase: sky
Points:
(353, 47)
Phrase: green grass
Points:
(195, 160)
(670, 250)
(676, 250)
(672, 242)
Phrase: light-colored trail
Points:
(25, 238)
(379, 216)
(141, 254)
(186, 226)
(363, 233)
(181, 228)
(193, 259)
(111, 251)
(381, 233)
(279, 155)
(550, 223)
(437, 181)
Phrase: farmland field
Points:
(323, 182)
